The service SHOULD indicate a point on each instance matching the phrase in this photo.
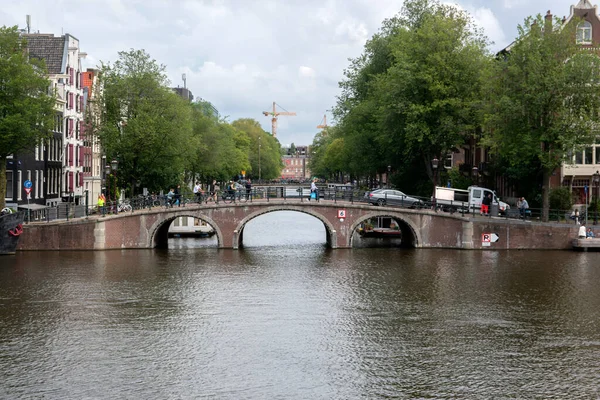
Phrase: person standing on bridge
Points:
(314, 189)
(523, 207)
(215, 190)
(485, 204)
(198, 192)
(248, 189)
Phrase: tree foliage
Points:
(143, 124)
(414, 94)
(26, 101)
(544, 99)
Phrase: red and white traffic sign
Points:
(487, 238)
(27, 190)
(341, 213)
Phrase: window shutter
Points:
(70, 155)
(69, 77)
(70, 127)
(80, 179)
(70, 181)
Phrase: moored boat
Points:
(11, 227)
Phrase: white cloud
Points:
(242, 55)
(306, 72)
(485, 18)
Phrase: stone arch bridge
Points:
(420, 228)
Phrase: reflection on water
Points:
(287, 318)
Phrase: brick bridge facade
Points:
(420, 228)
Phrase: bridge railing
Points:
(67, 211)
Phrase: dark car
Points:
(391, 197)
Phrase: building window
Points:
(9, 185)
(448, 161)
(579, 157)
(37, 185)
(41, 187)
(584, 33)
(588, 153)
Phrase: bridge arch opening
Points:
(186, 230)
(283, 227)
(383, 230)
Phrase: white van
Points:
(451, 199)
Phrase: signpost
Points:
(27, 186)
(488, 238)
(341, 215)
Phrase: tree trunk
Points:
(547, 174)
(2, 182)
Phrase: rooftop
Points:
(48, 48)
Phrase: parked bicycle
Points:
(124, 207)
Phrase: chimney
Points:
(548, 22)
(564, 19)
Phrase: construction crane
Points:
(274, 114)
(323, 123)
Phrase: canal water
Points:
(286, 318)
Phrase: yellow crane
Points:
(274, 114)
(323, 123)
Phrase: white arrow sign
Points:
(495, 238)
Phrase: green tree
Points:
(415, 93)
(143, 124)
(544, 99)
(26, 102)
(430, 98)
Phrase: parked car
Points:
(393, 197)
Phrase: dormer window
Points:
(584, 33)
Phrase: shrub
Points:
(561, 199)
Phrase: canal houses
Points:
(55, 167)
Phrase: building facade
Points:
(585, 164)
(296, 163)
(55, 166)
(93, 158)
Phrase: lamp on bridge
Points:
(597, 184)
(387, 177)
(434, 166)
(108, 169)
(475, 172)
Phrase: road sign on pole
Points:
(27, 186)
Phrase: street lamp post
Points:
(111, 169)
(434, 165)
(597, 184)
(476, 175)
(387, 178)
(259, 171)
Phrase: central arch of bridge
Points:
(330, 232)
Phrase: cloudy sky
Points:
(242, 55)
